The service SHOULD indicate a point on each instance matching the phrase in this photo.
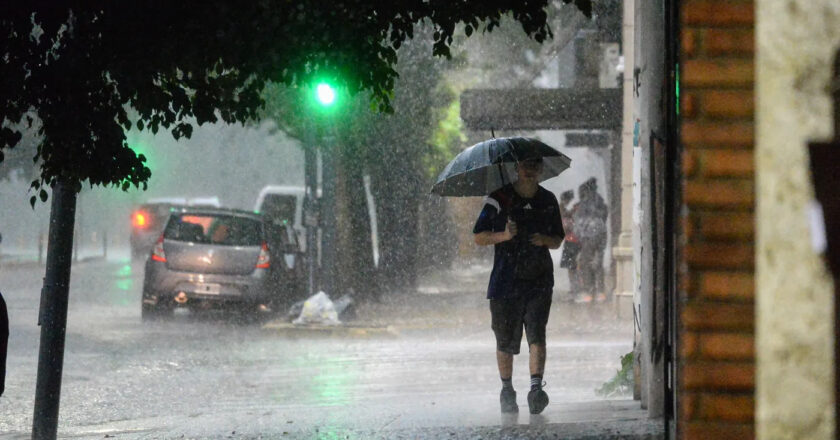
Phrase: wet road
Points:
(206, 376)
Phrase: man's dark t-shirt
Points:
(518, 265)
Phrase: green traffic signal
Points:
(325, 94)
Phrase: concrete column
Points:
(649, 84)
(623, 251)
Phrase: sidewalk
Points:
(452, 305)
(455, 300)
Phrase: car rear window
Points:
(227, 230)
(162, 210)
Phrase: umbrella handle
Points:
(492, 133)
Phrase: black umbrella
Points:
(489, 165)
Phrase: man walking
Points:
(522, 220)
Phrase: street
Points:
(205, 375)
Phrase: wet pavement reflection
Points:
(207, 375)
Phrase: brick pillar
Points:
(716, 320)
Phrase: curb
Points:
(14, 262)
(10, 262)
(341, 330)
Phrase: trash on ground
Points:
(344, 306)
(318, 309)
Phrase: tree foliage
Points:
(77, 67)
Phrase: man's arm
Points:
(486, 238)
(549, 241)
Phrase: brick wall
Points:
(716, 347)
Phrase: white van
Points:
(283, 204)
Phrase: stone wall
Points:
(797, 40)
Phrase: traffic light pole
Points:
(310, 209)
(326, 96)
(53, 313)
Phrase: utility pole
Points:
(53, 312)
(325, 97)
(310, 208)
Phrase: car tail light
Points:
(140, 219)
(157, 251)
(264, 260)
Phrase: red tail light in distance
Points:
(157, 251)
(264, 260)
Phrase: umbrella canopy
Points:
(489, 165)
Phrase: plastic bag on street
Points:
(342, 303)
(318, 309)
(294, 310)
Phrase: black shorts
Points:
(529, 309)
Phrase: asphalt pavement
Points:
(416, 365)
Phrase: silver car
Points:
(207, 258)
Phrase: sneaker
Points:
(508, 400)
(583, 299)
(537, 401)
(601, 297)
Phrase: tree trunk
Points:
(354, 251)
(398, 191)
(53, 313)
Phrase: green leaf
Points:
(43, 195)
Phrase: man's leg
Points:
(536, 318)
(586, 275)
(574, 282)
(598, 273)
(505, 361)
(536, 360)
(507, 326)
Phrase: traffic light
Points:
(325, 94)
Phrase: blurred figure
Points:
(571, 244)
(4, 342)
(590, 222)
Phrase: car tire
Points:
(151, 312)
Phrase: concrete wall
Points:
(796, 41)
(649, 74)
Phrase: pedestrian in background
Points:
(571, 245)
(590, 220)
(522, 220)
(4, 342)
